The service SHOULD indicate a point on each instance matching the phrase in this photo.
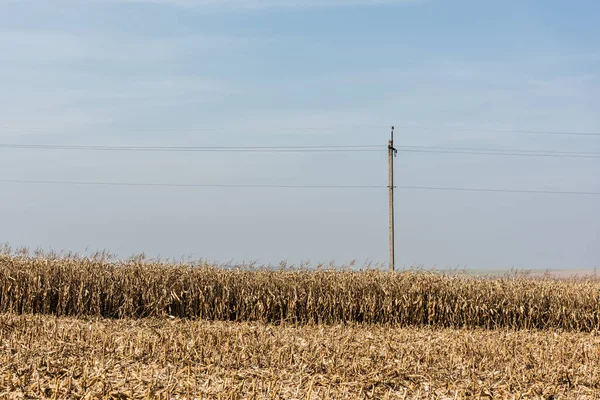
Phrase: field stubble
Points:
(65, 358)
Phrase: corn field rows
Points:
(135, 289)
(46, 357)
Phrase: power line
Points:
(544, 132)
(271, 149)
(324, 129)
(192, 185)
(312, 149)
(248, 186)
(199, 129)
(499, 154)
(524, 131)
(100, 147)
(559, 152)
(462, 189)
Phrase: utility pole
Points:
(391, 154)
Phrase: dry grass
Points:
(65, 358)
(93, 287)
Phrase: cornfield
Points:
(64, 358)
(94, 287)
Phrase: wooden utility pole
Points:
(391, 154)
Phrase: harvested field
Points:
(91, 287)
(85, 328)
(65, 358)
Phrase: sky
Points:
(462, 73)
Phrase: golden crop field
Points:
(65, 358)
(89, 287)
(77, 327)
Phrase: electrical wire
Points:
(328, 129)
(312, 149)
(251, 186)
(499, 154)
(463, 189)
(270, 149)
(191, 185)
(484, 149)
(491, 130)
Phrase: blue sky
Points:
(318, 72)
